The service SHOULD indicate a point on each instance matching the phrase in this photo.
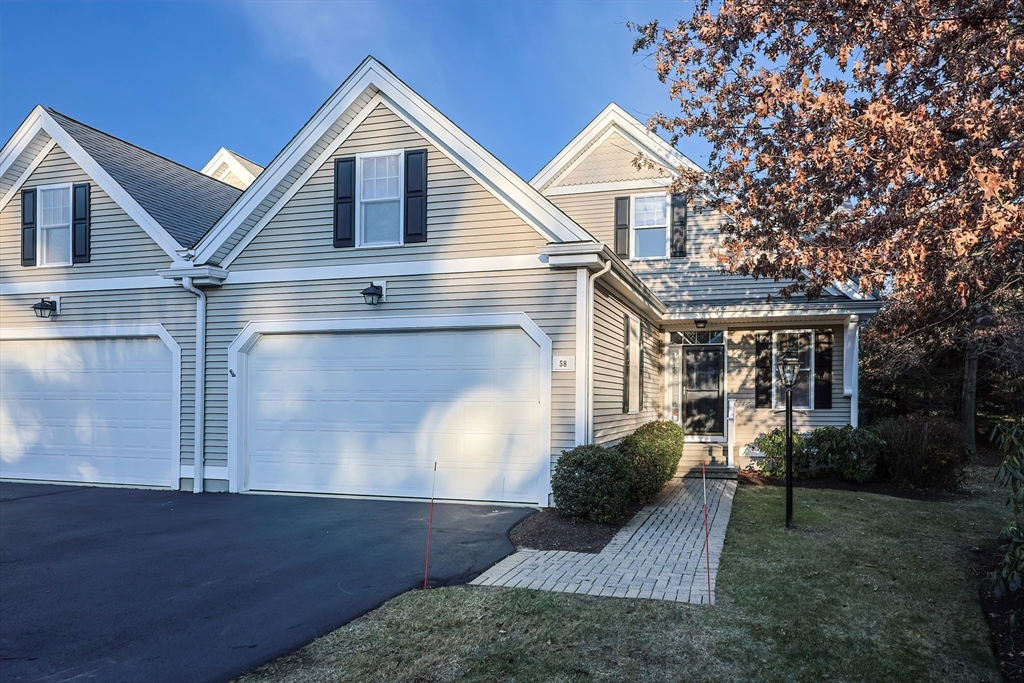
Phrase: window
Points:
(697, 381)
(380, 199)
(634, 366)
(650, 226)
(54, 226)
(802, 343)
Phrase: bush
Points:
(653, 452)
(773, 445)
(1009, 575)
(850, 453)
(590, 481)
(922, 452)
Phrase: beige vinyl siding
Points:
(308, 158)
(172, 307)
(463, 218)
(751, 422)
(609, 162)
(611, 423)
(547, 297)
(119, 246)
(694, 280)
(24, 160)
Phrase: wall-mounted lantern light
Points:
(701, 324)
(47, 308)
(373, 294)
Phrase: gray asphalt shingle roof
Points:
(182, 200)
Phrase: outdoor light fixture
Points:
(788, 366)
(701, 324)
(46, 308)
(373, 294)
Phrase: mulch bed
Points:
(551, 530)
(1007, 638)
(879, 486)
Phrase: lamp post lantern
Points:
(788, 366)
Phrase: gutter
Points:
(200, 399)
(189, 278)
(591, 279)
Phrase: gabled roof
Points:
(226, 162)
(371, 75)
(184, 201)
(174, 204)
(612, 119)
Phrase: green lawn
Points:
(868, 587)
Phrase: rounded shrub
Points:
(923, 452)
(850, 453)
(653, 452)
(592, 482)
(773, 445)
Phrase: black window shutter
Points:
(28, 227)
(622, 227)
(80, 225)
(625, 367)
(822, 369)
(763, 370)
(416, 196)
(678, 225)
(345, 202)
(640, 346)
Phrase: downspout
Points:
(200, 400)
(590, 348)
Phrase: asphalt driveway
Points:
(137, 585)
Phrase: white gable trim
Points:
(438, 130)
(47, 148)
(40, 120)
(670, 171)
(627, 126)
(226, 156)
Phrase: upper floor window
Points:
(54, 244)
(649, 226)
(380, 199)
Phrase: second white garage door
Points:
(370, 414)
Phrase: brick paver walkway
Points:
(659, 554)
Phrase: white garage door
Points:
(370, 414)
(87, 410)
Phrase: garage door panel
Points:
(87, 410)
(380, 408)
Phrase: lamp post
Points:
(788, 366)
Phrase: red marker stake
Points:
(707, 539)
(430, 523)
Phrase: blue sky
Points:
(183, 79)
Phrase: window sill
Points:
(389, 245)
(693, 438)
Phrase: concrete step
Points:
(711, 472)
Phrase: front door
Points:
(697, 382)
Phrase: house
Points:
(384, 310)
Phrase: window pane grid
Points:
(380, 200)
(649, 212)
(55, 207)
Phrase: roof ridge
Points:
(50, 110)
(244, 158)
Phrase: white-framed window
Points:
(53, 211)
(634, 367)
(648, 226)
(379, 199)
(801, 342)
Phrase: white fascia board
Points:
(446, 136)
(653, 184)
(770, 311)
(226, 156)
(29, 170)
(200, 275)
(40, 120)
(629, 127)
(108, 284)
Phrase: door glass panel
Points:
(704, 369)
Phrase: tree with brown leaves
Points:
(876, 143)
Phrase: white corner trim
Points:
(33, 165)
(480, 264)
(209, 472)
(226, 156)
(85, 285)
(116, 331)
(246, 340)
(430, 123)
(630, 128)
